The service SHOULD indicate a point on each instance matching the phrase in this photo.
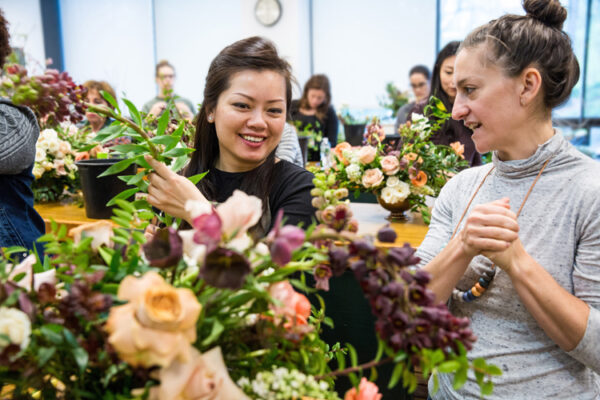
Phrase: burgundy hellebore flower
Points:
(387, 234)
(286, 239)
(322, 275)
(165, 249)
(225, 268)
(208, 229)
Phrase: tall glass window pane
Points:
(592, 89)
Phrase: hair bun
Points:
(549, 12)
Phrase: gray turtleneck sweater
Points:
(560, 229)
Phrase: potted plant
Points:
(353, 127)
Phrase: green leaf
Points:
(437, 357)
(122, 214)
(460, 378)
(138, 236)
(179, 163)
(396, 373)
(373, 374)
(178, 152)
(353, 355)
(125, 194)
(449, 366)
(166, 140)
(217, 329)
(163, 121)
(125, 205)
(130, 148)
(493, 370)
(436, 382)
(52, 333)
(487, 388)
(197, 178)
(145, 215)
(118, 167)
(108, 97)
(44, 354)
(380, 347)
(81, 358)
(133, 112)
(70, 338)
(341, 360)
(479, 363)
(125, 223)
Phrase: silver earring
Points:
(210, 118)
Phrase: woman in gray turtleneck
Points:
(536, 313)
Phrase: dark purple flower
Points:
(338, 257)
(46, 293)
(225, 268)
(402, 256)
(387, 234)
(281, 252)
(322, 274)
(362, 248)
(165, 249)
(393, 289)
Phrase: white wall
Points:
(25, 28)
(363, 45)
(110, 40)
(189, 34)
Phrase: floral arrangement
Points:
(110, 313)
(395, 98)
(416, 169)
(53, 96)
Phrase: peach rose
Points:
(204, 376)
(339, 152)
(372, 178)
(390, 165)
(458, 148)
(101, 231)
(366, 154)
(294, 307)
(366, 391)
(420, 179)
(158, 323)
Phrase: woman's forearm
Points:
(446, 269)
(559, 313)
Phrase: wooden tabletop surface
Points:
(371, 217)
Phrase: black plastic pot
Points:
(303, 140)
(98, 191)
(354, 133)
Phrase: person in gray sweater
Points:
(515, 245)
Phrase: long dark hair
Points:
(256, 54)
(449, 50)
(515, 42)
(320, 82)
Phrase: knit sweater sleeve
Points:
(18, 135)
(586, 279)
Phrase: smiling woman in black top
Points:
(246, 98)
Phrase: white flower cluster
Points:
(395, 190)
(282, 383)
(14, 326)
(53, 154)
(420, 123)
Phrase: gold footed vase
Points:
(397, 210)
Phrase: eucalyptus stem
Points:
(107, 112)
(358, 368)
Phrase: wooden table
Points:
(372, 217)
(65, 214)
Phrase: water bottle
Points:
(325, 150)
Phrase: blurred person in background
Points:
(165, 79)
(418, 76)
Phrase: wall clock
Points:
(267, 12)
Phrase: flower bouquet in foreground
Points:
(401, 177)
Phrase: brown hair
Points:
(320, 82)
(100, 85)
(163, 63)
(5, 48)
(255, 54)
(515, 42)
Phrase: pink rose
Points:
(204, 376)
(239, 213)
(372, 178)
(366, 391)
(366, 154)
(390, 165)
(292, 307)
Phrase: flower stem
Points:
(358, 368)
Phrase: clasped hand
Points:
(492, 230)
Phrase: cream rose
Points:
(16, 326)
(101, 231)
(239, 213)
(203, 377)
(366, 154)
(395, 194)
(372, 178)
(40, 154)
(390, 165)
(158, 324)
